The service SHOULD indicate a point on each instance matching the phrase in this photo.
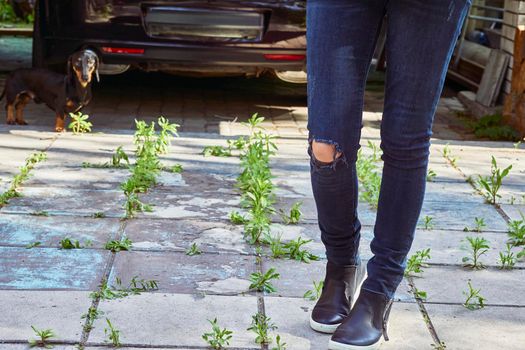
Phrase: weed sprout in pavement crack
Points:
(261, 325)
(477, 246)
(262, 282)
(44, 336)
(218, 338)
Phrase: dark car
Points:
(191, 37)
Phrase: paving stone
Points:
(446, 284)
(64, 201)
(18, 145)
(5, 346)
(72, 150)
(212, 206)
(515, 212)
(23, 230)
(455, 215)
(407, 329)
(446, 245)
(180, 273)
(51, 268)
(476, 161)
(78, 178)
(179, 235)
(57, 310)
(296, 278)
(176, 319)
(485, 329)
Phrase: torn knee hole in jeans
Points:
(330, 156)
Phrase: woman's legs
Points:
(421, 38)
(341, 38)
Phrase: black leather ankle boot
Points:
(338, 293)
(365, 325)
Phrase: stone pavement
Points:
(49, 288)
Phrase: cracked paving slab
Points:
(64, 201)
(21, 230)
(57, 310)
(175, 272)
(179, 235)
(51, 268)
(176, 319)
(447, 246)
(407, 328)
(486, 329)
(446, 284)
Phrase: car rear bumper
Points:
(175, 56)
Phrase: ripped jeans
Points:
(341, 36)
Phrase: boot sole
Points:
(332, 345)
(330, 328)
(323, 328)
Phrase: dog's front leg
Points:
(60, 122)
(10, 114)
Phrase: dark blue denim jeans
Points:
(341, 37)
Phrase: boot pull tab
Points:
(385, 318)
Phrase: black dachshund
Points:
(63, 94)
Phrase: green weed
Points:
(294, 216)
(474, 299)
(91, 316)
(261, 324)
(44, 336)
(135, 287)
(278, 344)
(113, 334)
(428, 222)
(80, 123)
(218, 338)
(98, 215)
(21, 177)
(119, 245)
(262, 282)
(516, 231)
(431, 175)
(447, 154)
(216, 151)
(492, 127)
(507, 258)
(490, 185)
(417, 261)
(420, 294)
(193, 250)
(237, 219)
(314, 294)
(33, 245)
(295, 252)
(477, 247)
(479, 224)
(68, 243)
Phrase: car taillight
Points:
(278, 57)
(123, 50)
